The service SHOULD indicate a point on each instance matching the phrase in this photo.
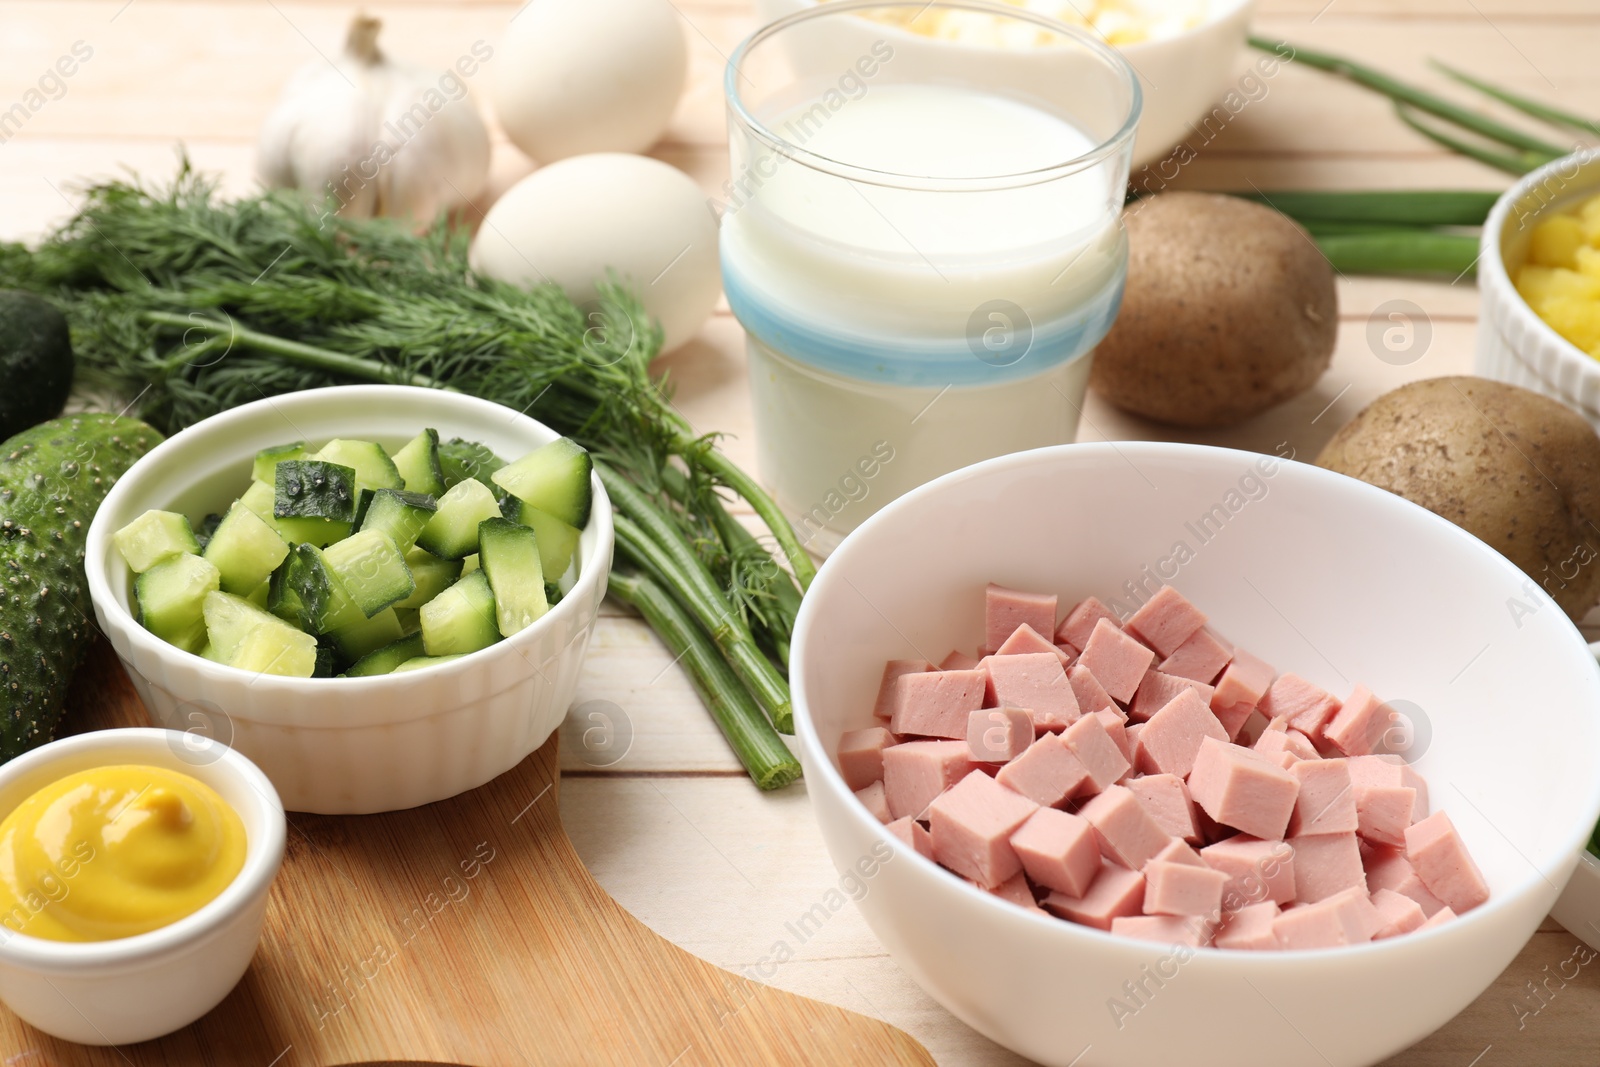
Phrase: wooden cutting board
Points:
(466, 932)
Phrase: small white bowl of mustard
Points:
(134, 871)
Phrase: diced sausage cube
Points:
(1250, 928)
(1116, 892)
(1438, 918)
(998, 735)
(1117, 661)
(1359, 726)
(875, 801)
(861, 755)
(1171, 739)
(972, 823)
(1326, 864)
(1091, 742)
(1177, 852)
(1126, 832)
(1058, 851)
(1383, 813)
(1166, 798)
(1306, 706)
(1327, 803)
(1035, 681)
(1092, 696)
(1440, 858)
(1240, 688)
(1242, 789)
(1047, 773)
(1017, 890)
(1157, 690)
(957, 660)
(921, 839)
(937, 703)
(901, 828)
(1182, 889)
(1006, 609)
(1166, 620)
(1117, 727)
(1163, 929)
(1389, 771)
(1279, 738)
(1080, 623)
(1257, 871)
(914, 772)
(1400, 914)
(1200, 659)
(1026, 639)
(1388, 868)
(1347, 918)
(892, 671)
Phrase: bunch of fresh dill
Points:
(187, 304)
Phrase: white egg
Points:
(579, 76)
(571, 222)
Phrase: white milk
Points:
(934, 313)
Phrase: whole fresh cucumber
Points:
(52, 479)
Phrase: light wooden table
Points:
(673, 830)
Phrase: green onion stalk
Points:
(183, 305)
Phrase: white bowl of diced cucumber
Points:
(380, 594)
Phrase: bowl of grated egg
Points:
(1187, 52)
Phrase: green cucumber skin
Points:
(52, 479)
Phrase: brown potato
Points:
(1517, 469)
(1230, 309)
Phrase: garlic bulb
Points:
(376, 135)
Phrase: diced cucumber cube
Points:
(418, 464)
(432, 575)
(368, 635)
(208, 526)
(153, 537)
(471, 563)
(371, 569)
(555, 478)
(307, 595)
(230, 619)
(245, 550)
(452, 533)
(509, 552)
(558, 542)
(280, 650)
(401, 514)
(314, 489)
(461, 619)
(265, 467)
(261, 596)
(410, 620)
(460, 460)
(260, 498)
(325, 664)
(387, 658)
(426, 661)
(374, 469)
(172, 598)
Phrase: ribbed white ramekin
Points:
(350, 745)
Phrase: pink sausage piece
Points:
(1117, 661)
(1347, 918)
(1017, 890)
(1359, 726)
(1200, 659)
(1242, 789)
(892, 671)
(1157, 690)
(1257, 871)
(1036, 681)
(1166, 620)
(1058, 851)
(1326, 865)
(901, 828)
(937, 703)
(1306, 706)
(1126, 832)
(914, 772)
(1389, 771)
(1117, 727)
(1166, 798)
(1327, 803)
(1092, 696)
(1092, 743)
(1115, 893)
(1240, 688)
(1182, 889)
(1006, 609)
(1400, 914)
(972, 824)
(861, 755)
(1163, 929)
(1047, 773)
(1250, 928)
(1026, 639)
(1440, 858)
(998, 735)
(1388, 868)
(1171, 740)
(1080, 623)
(874, 800)
(1178, 852)
(1438, 918)
(1280, 738)
(957, 660)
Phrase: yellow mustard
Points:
(115, 851)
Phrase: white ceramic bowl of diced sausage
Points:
(1338, 581)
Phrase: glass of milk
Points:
(922, 239)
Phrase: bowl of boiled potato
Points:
(1539, 284)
